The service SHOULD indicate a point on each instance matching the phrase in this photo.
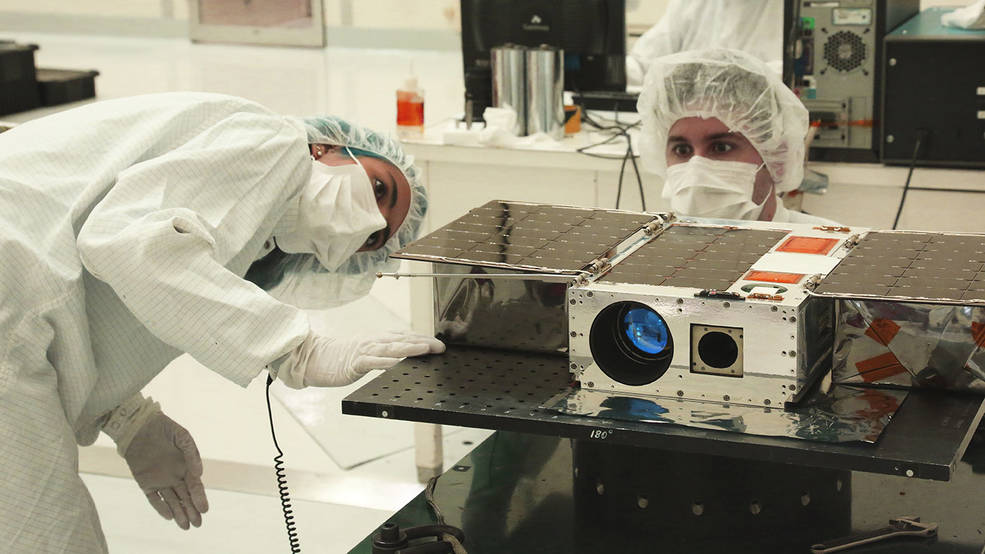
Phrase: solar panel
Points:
(527, 236)
(916, 266)
(700, 257)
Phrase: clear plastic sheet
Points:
(910, 344)
(844, 414)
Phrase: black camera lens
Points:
(631, 343)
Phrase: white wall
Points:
(418, 15)
(367, 14)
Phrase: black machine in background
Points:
(934, 93)
(23, 86)
(592, 34)
(833, 61)
(19, 89)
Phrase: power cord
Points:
(450, 535)
(621, 130)
(921, 134)
(429, 497)
(282, 490)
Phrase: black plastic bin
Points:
(60, 86)
(18, 79)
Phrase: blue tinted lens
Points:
(646, 330)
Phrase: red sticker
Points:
(808, 245)
(775, 277)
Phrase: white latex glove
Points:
(333, 362)
(163, 459)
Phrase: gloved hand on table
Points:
(333, 361)
(163, 459)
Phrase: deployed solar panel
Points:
(911, 266)
(515, 235)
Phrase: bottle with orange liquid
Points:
(410, 109)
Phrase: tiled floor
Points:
(335, 507)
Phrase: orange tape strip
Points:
(882, 331)
(880, 367)
(978, 333)
(836, 124)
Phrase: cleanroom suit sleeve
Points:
(163, 236)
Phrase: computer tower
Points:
(934, 92)
(836, 69)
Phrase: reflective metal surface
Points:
(545, 91)
(509, 78)
(693, 256)
(533, 237)
(910, 344)
(921, 267)
(846, 414)
(512, 314)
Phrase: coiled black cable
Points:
(282, 490)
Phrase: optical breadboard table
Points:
(503, 390)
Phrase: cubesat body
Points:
(646, 304)
(709, 312)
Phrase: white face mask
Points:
(713, 188)
(336, 214)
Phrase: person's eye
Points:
(379, 189)
(372, 240)
(722, 147)
(682, 150)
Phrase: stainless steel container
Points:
(509, 79)
(545, 91)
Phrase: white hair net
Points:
(734, 87)
(300, 279)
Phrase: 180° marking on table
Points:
(599, 434)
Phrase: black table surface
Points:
(501, 390)
(514, 493)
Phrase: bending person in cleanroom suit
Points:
(726, 135)
(127, 229)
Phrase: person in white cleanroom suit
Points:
(128, 227)
(726, 135)
(753, 26)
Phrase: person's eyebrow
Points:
(676, 138)
(717, 136)
(395, 189)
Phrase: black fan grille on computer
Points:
(844, 51)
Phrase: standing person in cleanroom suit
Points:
(127, 229)
(726, 135)
(753, 26)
